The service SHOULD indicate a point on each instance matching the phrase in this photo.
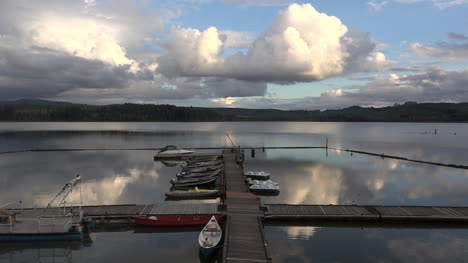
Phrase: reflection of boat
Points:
(258, 175)
(193, 181)
(172, 150)
(193, 193)
(202, 159)
(172, 163)
(209, 237)
(202, 164)
(59, 223)
(173, 220)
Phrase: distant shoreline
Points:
(410, 112)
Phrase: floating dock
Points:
(414, 214)
(244, 239)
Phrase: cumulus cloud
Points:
(456, 49)
(301, 44)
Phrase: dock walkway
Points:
(368, 212)
(244, 240)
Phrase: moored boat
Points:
(172, 150)
(201, 164)
(198, 175)
(174, 220)
(192, 193)
(209, 237)
(258, 175)
(193, 182)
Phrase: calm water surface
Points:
(305, 176)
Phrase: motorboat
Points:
(50, 223)
(174, 220)
(258, 175)
(172, 150)
(266, 189)
(209, 237)
(261, 182)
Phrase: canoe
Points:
(198, 175)
(192, 182)
(173, 220)
(192, 194)
(209, 237)
(258, 175)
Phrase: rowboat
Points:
(192, 182)
(258, 175)
(209, 237)
(192, 194)
(174, 220)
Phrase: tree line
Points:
(407, 112)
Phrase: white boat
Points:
(51, 223)
(209, 237)
(259, 182)
(265, 189)
(258, 175)
(172, 150)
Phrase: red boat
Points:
(174, 220)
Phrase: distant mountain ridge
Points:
(37, 102)
(42, 110)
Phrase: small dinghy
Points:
(258, 175)
(192, 193)
(209, 237)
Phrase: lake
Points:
(306, 176)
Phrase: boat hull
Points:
(193, 183)
(174, 220)
(194, 194)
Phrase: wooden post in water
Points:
(326, 147)
(252, 153)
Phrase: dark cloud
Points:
(454, 50)
(457, 36)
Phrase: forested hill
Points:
(408, 112)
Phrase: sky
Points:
(322, 54)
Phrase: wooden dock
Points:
(244, 238)
(421, 214)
